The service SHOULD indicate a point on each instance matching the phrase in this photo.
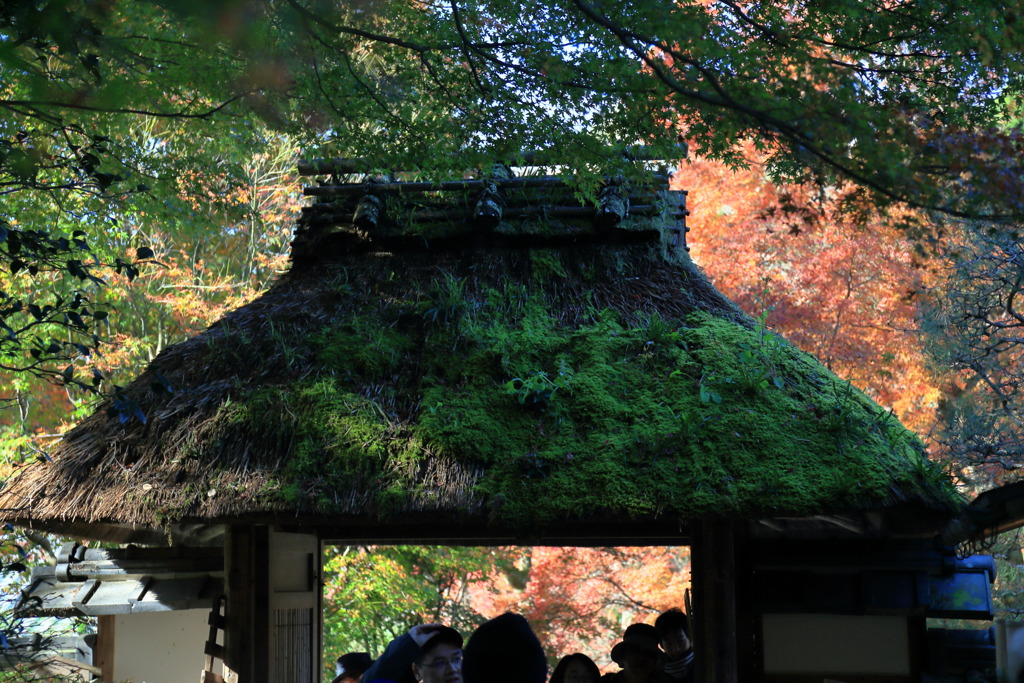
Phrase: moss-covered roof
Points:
(550, 379)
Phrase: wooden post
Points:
(319, 585)
(697, 581)
(103, 655)
(246, 571)
(714, 586)
(748, 639)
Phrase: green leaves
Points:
(708, 395)
(538, 389)
(361, 612)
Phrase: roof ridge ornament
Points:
(500, 207)
(490, 204)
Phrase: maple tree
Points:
(582, 599)
(62, 169)
(887, 94)
(576, 599)
(973, 324)
(927, 327)
(842, 285)
(207, 262)
(375, 594)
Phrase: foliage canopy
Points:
(892, 95)
(112, 112)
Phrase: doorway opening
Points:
(577, 599)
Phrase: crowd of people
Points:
(506, 650)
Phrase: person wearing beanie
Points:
(428, 653)
(639, 656)
(504, 650)
(674, 635)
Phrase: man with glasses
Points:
(428, 653)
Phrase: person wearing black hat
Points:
(351, 666)
(504, 650)
(639, 656)
(428, 653)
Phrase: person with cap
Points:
(504, 650)
(639, 656)
(351, 666)
(428, 653)
(674, 635)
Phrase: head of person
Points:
(440, 658)
(505, 650)
(350, 666)
(575, 668)
(638, 653)
(673, 632)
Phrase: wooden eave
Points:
(431, 528)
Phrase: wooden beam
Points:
(656, 180)
(713, 554)
(527, 158)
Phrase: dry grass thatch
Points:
(347, 390)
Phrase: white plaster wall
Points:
(834, 644)
(1010, 650)
(290, 563)
(161, 647)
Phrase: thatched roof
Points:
(540, 372)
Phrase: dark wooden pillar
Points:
(319, 586)
(714, 576)
(246, 638)
(748, 631)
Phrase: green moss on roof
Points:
(692, 416)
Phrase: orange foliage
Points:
(839, 286)
(581, 599)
